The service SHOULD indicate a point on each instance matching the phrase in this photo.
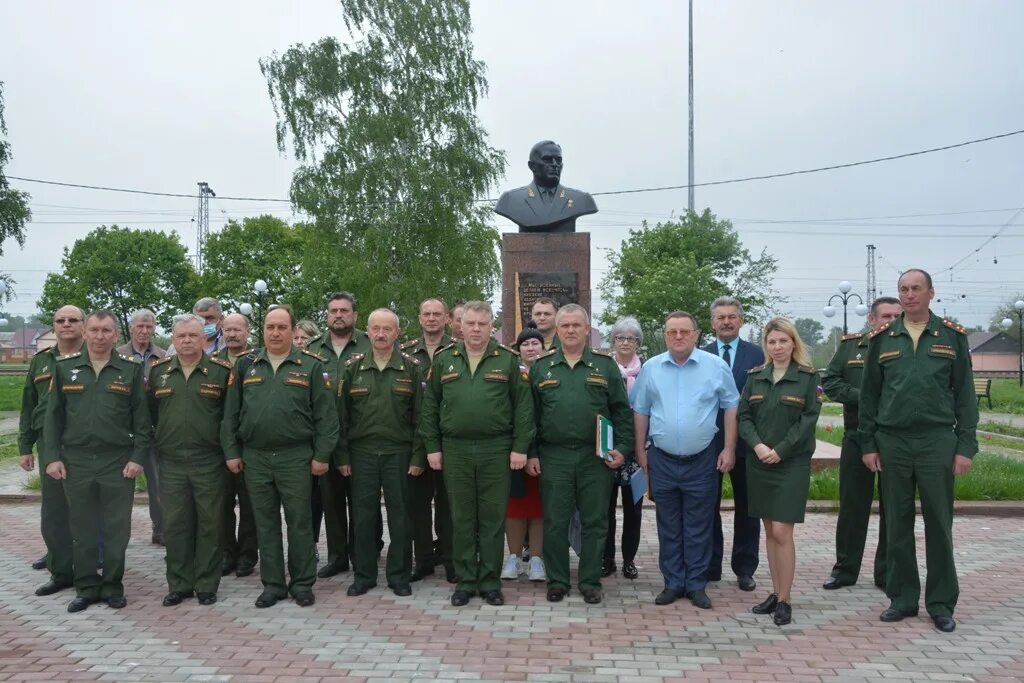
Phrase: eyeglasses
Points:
(61, 321)
(626, 340)
(679, 333)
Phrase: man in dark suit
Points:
(740, 356)
(544, 205)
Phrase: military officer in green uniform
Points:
(428, 499)
(69, 326)
(918, 422)
(477, 425)
(856, 482)
(573, 384)
(282, 424)
(96, 436)
(241, 551)
(378, 407)
(334, 348)
(186, 397)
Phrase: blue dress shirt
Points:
(682, 401)
(733, 345)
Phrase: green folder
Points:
(604, 438)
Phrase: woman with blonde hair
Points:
(778, 413)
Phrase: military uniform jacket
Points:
(568, 400)
(92, 414)
(843, 376)
(930, 389)
(222, 354)
(418, 350)
(489, 409)
(781, 415)
(379, 409)
(188, 414)
(33, 399)
(292, 409)
(359, 342)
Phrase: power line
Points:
(982, 245)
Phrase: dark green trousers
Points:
(243, 548)
(477, 483)
(570, 480)
(428, 501)
(193, 496)
(276, 479)
(99, 496)
(55, 526)
(335, 495)
(921, 462)
(371, 474)
(856, 491)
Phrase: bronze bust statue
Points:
(545, 205)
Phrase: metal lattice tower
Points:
(203, 222)
(872, 280)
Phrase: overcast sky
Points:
(160, 95)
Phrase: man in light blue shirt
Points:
(675, 404)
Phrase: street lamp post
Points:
(844, 296)
(1007, 322)
(260, 288)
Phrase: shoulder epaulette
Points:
(954, 326)
(313, 340)
(412, 359)
(509, 349)
(879, 331)
(443, 348)
(314, 355)
(46, 350)
(69, 356)
(223, 363)
(852, 335)
(409, 344)
(167, 359)
(601, 352)
(354, 358)
(130, 359)
(808, 369)
(547, 353)
(757, 368)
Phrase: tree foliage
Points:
(810, 330)
(14, 210)
(685, 264)
(1004, 311)
(121, 269)
(392, 154)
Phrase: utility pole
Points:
(690, 182)
(872, 280)
(203, 222)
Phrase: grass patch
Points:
(1001, 428)
(830, 434)
(1007, 397)
(9, 448)
(10, 392)
(34, 483)
(1003, 442)
(831, 410)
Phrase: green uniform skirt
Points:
(778, 492)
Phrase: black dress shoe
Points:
(40, 563)
(245, 570)
(421, 572)
(783, 614)
(51, 587)
(767, 606)
(944, 624)
(592, 596)
(834, 582)
(356, 589)
(460, 598)
(699, 599)
(227, 568)
(891, 614)
(80, 603)
(494, 598)
(267, 599)
(607, 568)
(449, 574)
(328, 570)
(305, 599)
(629, 570)
(206, 598)
(667, 596)
(175, 597)
(746, 583)
(116, 601)
(556, 594)
(402, 591)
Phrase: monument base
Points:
(535, 265)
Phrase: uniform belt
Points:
(680, 458)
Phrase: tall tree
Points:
(685, 264)
(121, 269)
(393, 155)
(14, 211)
(810, 331)
(1004, 311)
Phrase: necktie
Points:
(726, 356)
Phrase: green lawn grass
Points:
(832, 435)
(1007, 397)
(10, 392)
(1001, 428)
(831, 410)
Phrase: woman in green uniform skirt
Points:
(777, 415)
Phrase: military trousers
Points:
(99, 502)
(335, 495)
(55, 526)
(428, 502)
(277, 479)
(922, 461)
(571, 479)
(193, 494)
(478, 486)
(371, 474)
(151, 467)
(241, 549)
(856, 491)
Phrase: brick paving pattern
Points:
(835, 636)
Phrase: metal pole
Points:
(690, 182)
(845, 330)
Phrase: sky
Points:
(158, 96)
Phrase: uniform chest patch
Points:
(302, 381)
(793, 400)
(942, 350)
(889, 355)
(211, 390)
(402, 389)
(164, 391)
(449, 376)
(855, 362)
(252, 380)
(596, 381)
(755, 397)
(43, 377)
(119, 388)
(358, 390)
(73, 388)
(548, 384)
(496, 376)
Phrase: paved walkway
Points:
(835, 636)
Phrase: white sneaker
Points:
(512, 567)
(537, 572)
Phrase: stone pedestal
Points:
(555, 265)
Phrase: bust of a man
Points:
(545, 205)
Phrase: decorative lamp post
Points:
(844, 296)
(260, 288)
(1007, 323)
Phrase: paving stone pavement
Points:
(835, 637)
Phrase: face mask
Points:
(210, 329)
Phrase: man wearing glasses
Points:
(740, 356)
